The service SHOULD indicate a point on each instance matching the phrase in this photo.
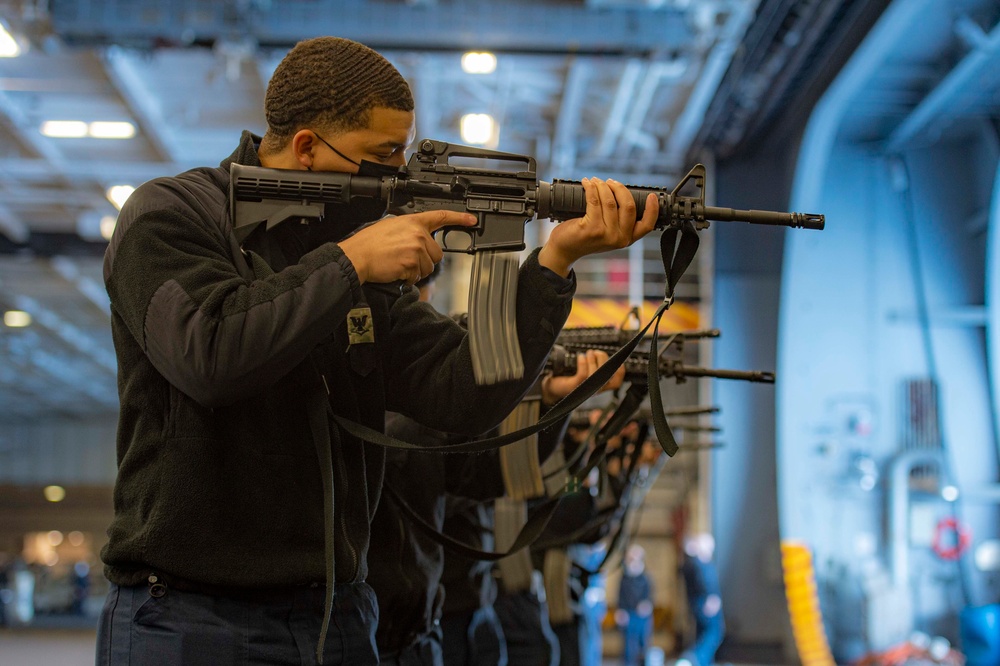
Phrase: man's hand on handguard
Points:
(400, 248)
(556, 388)
(609, 224)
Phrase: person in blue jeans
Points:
(701, 583)
(635, 606)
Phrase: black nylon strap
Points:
(584, 446)
(559, 411)
(664, 435)
(677, 256)
(603, 516)
(626, 410)
(537, 522)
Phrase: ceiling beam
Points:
(29, 135)
(514, 25)
(568, 119)
(41, 170)
(144, 107)
(73, 336)
(12, 226)
(91, 289)
(615, 123)
(947, 99)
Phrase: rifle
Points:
(502, 190)
(581, 418)
(563, 362)
(611, 338)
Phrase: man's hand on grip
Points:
(400, 248)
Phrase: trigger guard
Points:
(456, 240)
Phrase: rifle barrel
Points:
(796, 220)
(682, 370)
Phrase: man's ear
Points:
(304, 145)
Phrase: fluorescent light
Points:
(16, 318)
(99, 129)
(476, 62)
(111, 130)
(64, 129)
(477, 128)
(118, 194)
(8, 45)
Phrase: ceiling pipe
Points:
(720, 55)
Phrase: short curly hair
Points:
(333, 83)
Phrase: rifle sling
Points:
(537, 522)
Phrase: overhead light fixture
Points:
(64, 129)
(479, 62)
(54, 493)
(78, 129)
(118, 194)
(16, 319)
(111, 130)
(9, 48)
(477, 128)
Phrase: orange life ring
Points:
(962, 538)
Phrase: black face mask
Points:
(341, 220)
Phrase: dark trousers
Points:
(184, 628)
(474, 639)
(424, 651)
(525, 621)
(570, 642)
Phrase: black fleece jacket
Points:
(225, 358)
